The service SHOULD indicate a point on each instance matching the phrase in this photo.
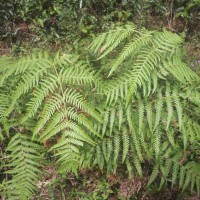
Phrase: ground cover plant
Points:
(129, 102)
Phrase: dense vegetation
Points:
(113, 117)
(41, 22)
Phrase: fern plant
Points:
(140, 57)
(139, 111)
(23, 166)
(152, 107)
(48, 98)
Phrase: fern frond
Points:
(193, 95)
(159, 106)
(132, 48)
(125, 140)
(68, 152)
(147, 49)
(116, 148)
(78, 76)
(138, 166)
(144, 65)
(175, 169)
(137, 144)
(29, 81)
(25, 64)
(76, 99)
(157, 142)
(25, 160)
(169, 105)
(116, 88)
(47, 86)
(167, 41)
(149, 112)
(110, 40)
(112, 119)
(4, 104)
(178, 106)
(140, 113)
(53, 104)
(153, 175)
(120, 116)
(129, 113)
(109, 149)
(181, 71)
(105, 122)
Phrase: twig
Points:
(170, 15)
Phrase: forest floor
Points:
(94, 183)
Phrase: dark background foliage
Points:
(55, 20)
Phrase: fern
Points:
(155, 89)
(52, 90)
(24, 162)
(116, 148)
(150, 51)
(125, 145)
(141, 112)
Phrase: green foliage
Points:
(186, 8)
(139, 111)
(24, 162)
(50, 97)
(147, 88)
(51, 24)
(60, 19)
(153, 53)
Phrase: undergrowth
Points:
(135, 107)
